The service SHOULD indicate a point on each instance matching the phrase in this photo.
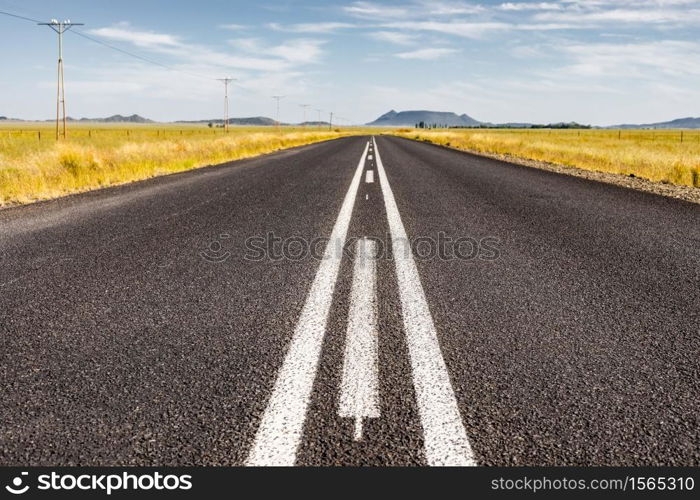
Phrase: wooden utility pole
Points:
(60, 27)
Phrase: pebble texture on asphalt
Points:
(133, 330)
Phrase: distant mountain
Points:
(113, 119)
(250, 121)
(677, 123)
(411, 118)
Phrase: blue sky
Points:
(591, 61)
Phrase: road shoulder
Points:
(685, 193)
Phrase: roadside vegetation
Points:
(668, 156)
(34, 166)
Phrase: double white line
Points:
(282, 425)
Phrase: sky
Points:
(597, 62)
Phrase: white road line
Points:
(369, 178)
(369, 157)
(282, 424)
(445, 438)
(359, 389)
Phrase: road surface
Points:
(352, 303)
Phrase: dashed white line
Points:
(445, 438)
(369, 178)
(359, 391)
(282, 423)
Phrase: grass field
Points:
(34, 166)
(670, 156)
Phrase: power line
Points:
(113, 47)
(149, 60)
(142, 58)
(19, 17)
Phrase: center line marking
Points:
(445, 438)
(359, 389)
(369, 178)
(282, 424)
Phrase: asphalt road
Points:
(538, 319)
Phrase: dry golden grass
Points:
(98, 156)
(656, 155)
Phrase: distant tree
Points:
(210, 124)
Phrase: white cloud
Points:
(639, 16)
(250, 44)
(298, 51)
(428, 54)
(418, 9)
(635, 3)
(233, 27)
(147, 39)
(325, 27)
(280, 57)
(462, 29)
(395, 37)
(376, 11)
(439, 8)
(649, 60)
(520, 6)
